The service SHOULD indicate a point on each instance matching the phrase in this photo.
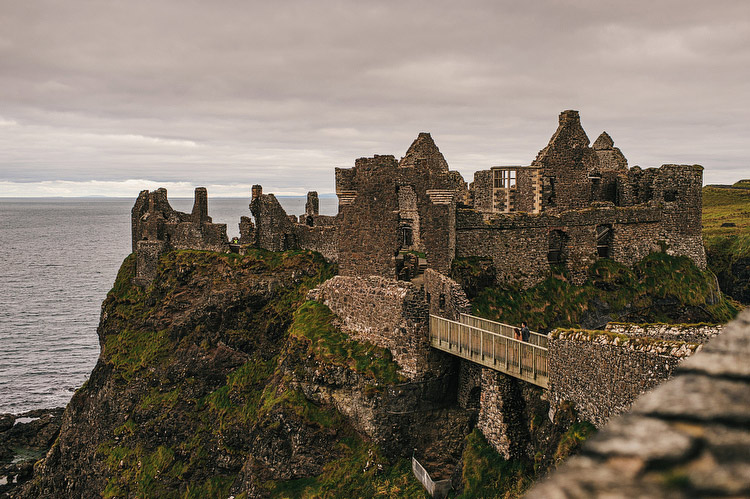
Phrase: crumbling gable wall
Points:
(438, 190)
(156, 228)
(566, 162)
(611, 166)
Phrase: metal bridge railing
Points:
(537, 339)
(522, 360)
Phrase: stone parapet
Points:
(602, 373)
(687, 438)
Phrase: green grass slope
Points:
(659, 288)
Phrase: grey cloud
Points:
(281, 92)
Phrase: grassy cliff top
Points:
(729, 207)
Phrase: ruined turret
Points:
(157, 228)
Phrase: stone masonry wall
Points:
(602, 373)
(469, 384)
(369, 223)
(390, 314)
(686, 438)
(157, 228)
(679, 188)
(481, 190)
(692, 333)
(501, 415)
(519, 243)
(566, 161)
(446, 298)
(275, 230)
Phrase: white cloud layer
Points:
(228, 94)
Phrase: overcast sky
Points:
(111, 97)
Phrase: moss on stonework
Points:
(653, 290)
(612, 337)
(485, 474)
(572, 439)
(314, 322)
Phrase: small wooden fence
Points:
(519, 359)
(438, 489)
(537, 339)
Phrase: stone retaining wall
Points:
(602, 373)
(687, 438)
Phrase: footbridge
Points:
(492, 344)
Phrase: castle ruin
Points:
(573, 204)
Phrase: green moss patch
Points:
(363, 472)
(654, 288)
(486, 474)
(314, 322)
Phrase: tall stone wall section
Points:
(501, 414)
(603, 373)
(387, 313)
(680, 189)
(481, 190)
(368, 217)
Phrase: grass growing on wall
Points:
(313, 321)
(656, 286)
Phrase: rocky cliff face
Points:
(218, 380)
(184, 394)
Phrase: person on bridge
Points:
(525, 332)
(517, 333)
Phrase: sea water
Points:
(58, 259)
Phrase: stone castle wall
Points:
(691, 333)
(603, 373)
(445, 297)
(368, 217)
(275, 230)
(687, 438)
(519, 243)
(387, 313)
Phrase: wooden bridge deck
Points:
(493, 346)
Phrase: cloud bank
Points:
(227, 94)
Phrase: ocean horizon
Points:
(60, 258)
